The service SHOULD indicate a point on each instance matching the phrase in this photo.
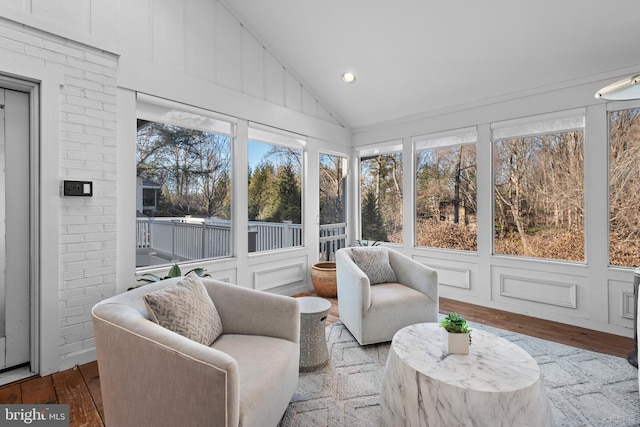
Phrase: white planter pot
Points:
(455, 343)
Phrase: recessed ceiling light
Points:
(348, 77)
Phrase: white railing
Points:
(182, 239)
(195, 238)
(177, 239)
(276, 235)
(332, 238)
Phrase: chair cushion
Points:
(374, 262)
(185, 308)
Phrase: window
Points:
(333, 199)
(183, 168)
(446, 190)
(381, 194)
(275, 189)
(539, 187)
(624, 187)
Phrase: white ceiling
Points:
(415, 57)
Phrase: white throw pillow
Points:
(185, 308)
(374, 262)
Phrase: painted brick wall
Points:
(87, 152)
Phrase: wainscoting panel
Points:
(453, 274)
(531, 286)
(228, 275)
(280, 275)
(621, 303)
(455, 277)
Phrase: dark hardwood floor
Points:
(80, 387)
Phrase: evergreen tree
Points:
(289, 197)
(372, 222)
(261, 192)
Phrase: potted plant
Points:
(173, 272)
(456, 334)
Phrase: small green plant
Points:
(456, 324)
(173, 272)
(366, 243)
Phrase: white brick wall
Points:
(87, 152)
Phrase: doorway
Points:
(15, 229)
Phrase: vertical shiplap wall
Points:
(202, 39)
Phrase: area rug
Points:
(585, 388)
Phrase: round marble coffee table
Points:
(496, 384)
(313, 342)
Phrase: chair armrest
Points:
(410, 272)
(251, 312)
(353, 284)
(137, 357)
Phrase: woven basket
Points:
(323, 279)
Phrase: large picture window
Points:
(446, 190)
(275, 190)
(183, 168)
(381, 194)
(624, 187)
(539, 187)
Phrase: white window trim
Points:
(560, 121)
(169, 112)
(275, 136)
(456, 137)
(388, 147)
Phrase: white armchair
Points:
(151, 376)
(374, 313)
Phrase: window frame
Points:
(451, 138)
(159, 110)
(387, 147)
(531, 126)
(278, 137)
(611, 107)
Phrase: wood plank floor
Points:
(80, 387)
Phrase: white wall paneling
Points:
(168, 39)
(453, 276)
(620, 303)
(274, 79)
(563, 294)
(225, 275)
(284, 273)
(293, 92)
(228, 49)
(253, 66)
(199, 45)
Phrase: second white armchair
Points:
(384, 298)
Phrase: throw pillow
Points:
(185, 308)
(374, 262)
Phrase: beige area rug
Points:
(585, 388)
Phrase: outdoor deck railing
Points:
(332, 238)
(195, 238)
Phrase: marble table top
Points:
(496, 384)
(493, 363)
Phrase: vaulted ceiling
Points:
(417, 57)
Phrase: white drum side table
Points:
(313, 342)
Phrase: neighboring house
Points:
(147, 196)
